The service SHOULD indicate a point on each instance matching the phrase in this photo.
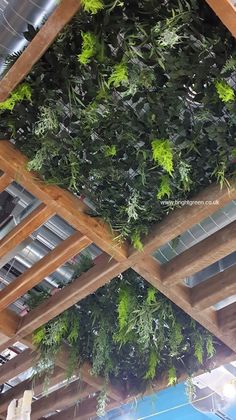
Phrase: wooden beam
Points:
(9, 322)
(28, 225)
(182, 219)
(37, 385)
(226, 11)
(62, 202)
(42, 268)
(84, 372)
(104, 270)
(57, 400)
(5, 180)
(201, 255)
(149, 269)
(215, 289)
(38, 46)
(227, 320)
(85, 410)
(17, 365)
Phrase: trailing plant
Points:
(129, 332)
(142, 98)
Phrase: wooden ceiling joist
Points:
(227, 319)
(62, 202)
(38, 46)
(17, 365)
(215, 289)
(226, 11)
(28, 225)
(201, 255)
(38, 385)
(182, 219)
(5, 180)
(57, 400)
(42, 268)
(103, 271)
(180, 295)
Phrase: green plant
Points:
(225, 92)
(90, 47)
(92, 6)
(21, 93)
(119, 75)
(163, 155)
(165, 187)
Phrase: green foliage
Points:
(110, 151)
(92, 6)
(172, 376)
(163, 155)
(165, 188)
(153, 71)
(47, 121)
(90, 47)
(22, 93)
(119, 75)
(136, 240)
(225, 92)
(128, 331)
(152, 365)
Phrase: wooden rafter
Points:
(37, 385)
(38, 46)
(17, 365)
(226, 11)
(42, 268)
(201, 255)
(63, 397)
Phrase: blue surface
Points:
(152, 408)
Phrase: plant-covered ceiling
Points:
(129, 332)
(133, 104)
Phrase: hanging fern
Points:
(165, 188)
(225, 92)
(92, 6)
(119, 75)
(90, 47)
(163, 155)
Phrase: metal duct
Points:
(15, 16)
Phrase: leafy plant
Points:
(92, 6)
(225, 92)
(90, 47)
(21, 93)
(119, 75)
(163, 155)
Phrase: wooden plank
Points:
(201, 255)
(65, 204)
(38, 46)
(42, 268)
(17, 365)
(226, 11)
(5, 180)
(84, 372)
(215, 289)
(59, 399)
(104, 270)
(227, 319)
(149, 269)
(9, 322)
(28, 225)
(36, 384)
(185, 217)
(85, 410)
